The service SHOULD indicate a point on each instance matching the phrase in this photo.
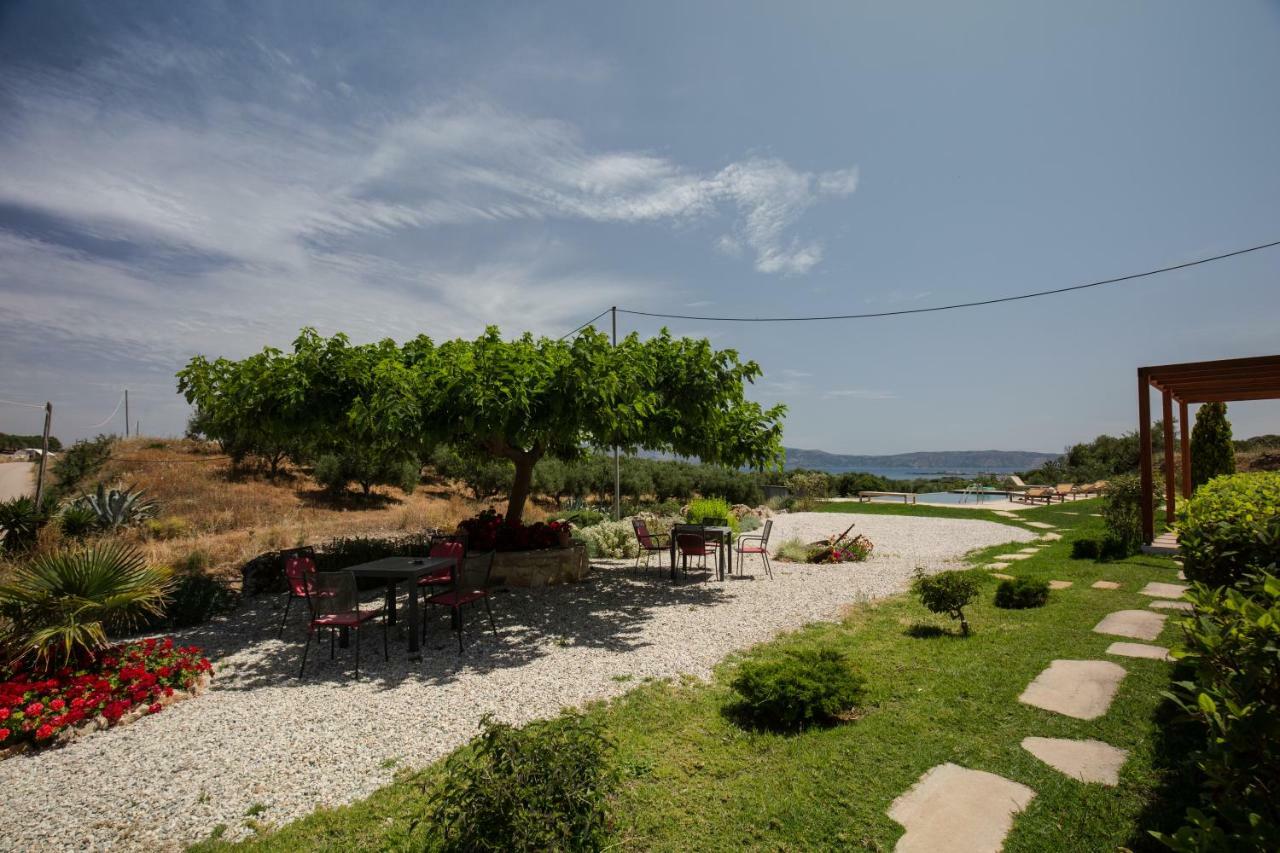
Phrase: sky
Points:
(211, 177)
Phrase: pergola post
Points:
(1170, 487)
(1185, 426)
(1144, 447)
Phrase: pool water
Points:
(951, 498)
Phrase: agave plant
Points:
(59, 607)
(20, 521)
(117, 507)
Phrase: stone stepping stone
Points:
(998, 566)
(1051, 537)
(1082, 760)
(1171, 605)
(1105, 585)
(1075, 688)
(1006, 513)
(1138, 650)
(1060, 584)
(1156, 589)
(1068, 513)
(1001, 576)
(1031, 550)
(1018, 556)
(1138, 624)
(1040, 524)
(1095, 515)
(959, 810)
(1182, 575)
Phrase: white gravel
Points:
(260, 736)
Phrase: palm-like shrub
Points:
(116, 508)
(77, 521)
(59, 607)
(20, 521)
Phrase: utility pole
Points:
(44, 451)
(126, 413)
(617, 465)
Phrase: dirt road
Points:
(17, 479)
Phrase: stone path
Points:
(1034, 549)
(1156, 589)
(1002, 577)
(1051, 537)
(1083, 760)
(1082, 689)
(1018, 556)
(1136, 624)
(1105, 585)
(1139, 650)
(959, 810)
(997, 566)
(1171, 605)
(1040, 524)
(1005, 513)
(1059, 584)
(1182, 575)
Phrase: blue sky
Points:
(182, 178)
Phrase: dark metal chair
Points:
(649, 543)
(761, 548)
(297, 563)
(466, 590)
(335, 605)
(694, 545)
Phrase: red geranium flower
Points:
(57, 705)
(155, 708)
(34, 709)
(44, 732)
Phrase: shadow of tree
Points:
(347, 501)
(606, 611)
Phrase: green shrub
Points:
(1022, 593)
(716, 509)
(586, 518)
(77, 522)
(59, 607)
(169, 527)
(948, 592)
(116, 508)
(542, 787)
(610, 540)
(1086, 549)
(1212, 452)
(20, 523)
(1234, 700)
(807, 487)
(749, 523)
(335, 471)
(194, 599)
(81, 462)
(327, 471)
(1231, 525)
(797, 687)
(794, 551)
(1122, 514)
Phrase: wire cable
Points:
(28, 405)
(119, 403)
(975, 304)
(588, 323)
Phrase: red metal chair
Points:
(444, 548)
(650, 543)
(466, 590)
(297, 564)
(762, 548)
(694, 545)
(335, 605)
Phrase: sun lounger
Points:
(1036, 494)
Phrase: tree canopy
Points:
(1212, 451)
(517, 400)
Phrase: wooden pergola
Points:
(1227, 381)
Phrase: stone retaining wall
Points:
(541, 568)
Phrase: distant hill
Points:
(930, 461)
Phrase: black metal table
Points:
(719, 533)
(395, 570)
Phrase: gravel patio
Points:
(261, 738)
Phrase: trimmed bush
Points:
(1231, 525)
(1086, 549)
(1212, 452)
(948, 592)
(1022, 593)
(1234, 699)
(797, 687)
(610, 540)
(542, 787)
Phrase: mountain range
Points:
(930, 461)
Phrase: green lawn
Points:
(695, 780)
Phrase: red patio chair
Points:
(694, 545)
(335, 604)
(466, 591)
(760, 546)
(297, 563)
(444, 548)
(650, 543)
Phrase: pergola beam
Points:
(1225, 381)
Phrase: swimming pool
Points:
(951, 498)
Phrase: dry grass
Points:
(205, 508)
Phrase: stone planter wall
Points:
(541, 568)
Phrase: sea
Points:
(923, 473)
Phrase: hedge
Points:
(1230, 525)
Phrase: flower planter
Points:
(542, 567)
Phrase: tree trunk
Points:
(520, 488)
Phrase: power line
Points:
(974, 304)
(109, 417)
(588, 323)
(28, 405)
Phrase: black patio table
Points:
(395, 570)
(720, 533)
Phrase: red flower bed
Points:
(36, 708)
(489, 531)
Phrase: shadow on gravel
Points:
(607, 611)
